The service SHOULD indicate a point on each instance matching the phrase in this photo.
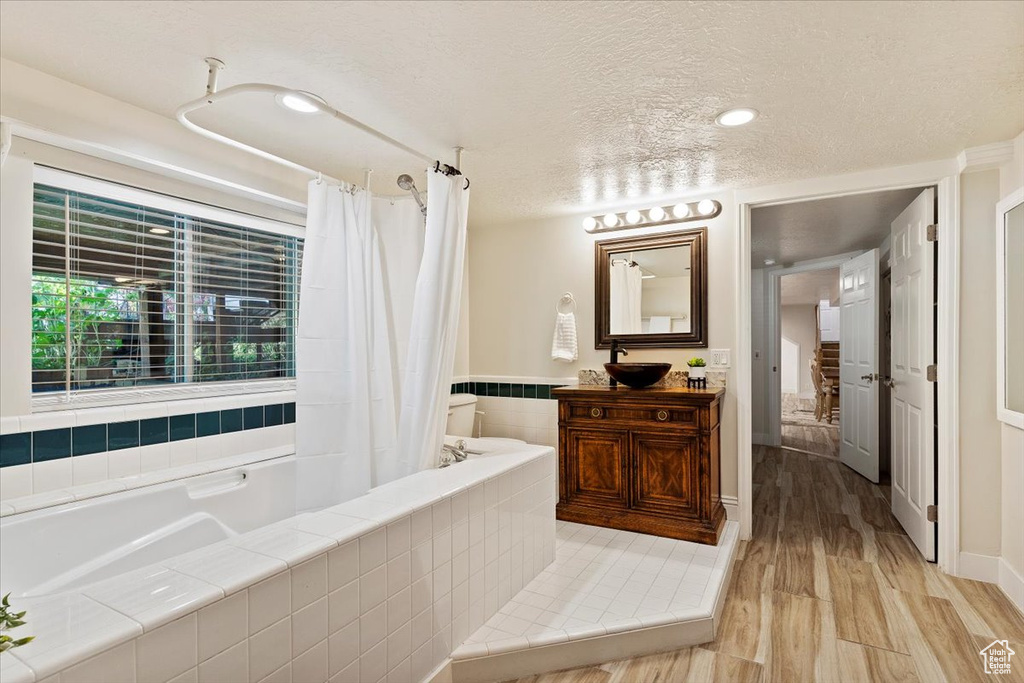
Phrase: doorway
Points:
(807, 290)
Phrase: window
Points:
(125, 295)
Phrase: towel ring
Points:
(567, 298)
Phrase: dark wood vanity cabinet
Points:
(644, 460)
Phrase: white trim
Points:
(103, 188)
(944, 174)
(1012, 583)
(732, 507)
(105, 398)
(773, 327)
(985, 157)
(979, 567)
(1011, 417)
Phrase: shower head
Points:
(405, 182)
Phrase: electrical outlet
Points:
(719, 358)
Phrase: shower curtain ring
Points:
(467, 184)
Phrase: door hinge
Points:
(933, 233)
(932, 511)
(932, 373)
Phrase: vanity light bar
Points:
(657, 215)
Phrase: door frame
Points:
(944, 175)
(773, 290)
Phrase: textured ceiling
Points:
(825, 227)
(568, 107)
(809, 287)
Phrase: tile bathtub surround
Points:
(97, 444)
(506, 389)
(531, 420)
(386, 585)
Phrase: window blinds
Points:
(124, 295)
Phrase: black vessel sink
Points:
(637, 375)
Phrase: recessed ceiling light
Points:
(769, 262)
(160, 231)
(302, 102)
(736, 117)
(647, 277)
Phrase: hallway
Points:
(830, 589)
(802, 432)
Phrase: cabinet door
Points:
(666, 470)
(595, 467)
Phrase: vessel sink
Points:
(637, 375)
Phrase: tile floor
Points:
(607, 581)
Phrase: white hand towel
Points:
(563, 346)
(660, 324)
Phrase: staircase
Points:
(827, 354)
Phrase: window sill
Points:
(105, 398)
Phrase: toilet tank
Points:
(461, 415)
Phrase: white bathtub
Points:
(62, 548)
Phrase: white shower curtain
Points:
(345, 381)
(626, 287)
(379, 309)
(426, 382)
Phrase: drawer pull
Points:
(662, 415)
(596, 412)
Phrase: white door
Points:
(858, 364)
(912, 396)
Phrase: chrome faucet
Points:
(457, 451)
(614, 358)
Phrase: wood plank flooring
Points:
(828, 589)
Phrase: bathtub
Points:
(62, 548)
(129, 581)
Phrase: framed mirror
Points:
(652, 290)
(1010, 309)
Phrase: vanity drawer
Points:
(632, 414)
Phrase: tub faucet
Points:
(615, 351)
(458, 451)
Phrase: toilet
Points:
(462, 419)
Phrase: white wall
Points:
(980, 441)
(519, 271)
(798, 327)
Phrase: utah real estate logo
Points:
(997, 657)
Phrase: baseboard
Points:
(732, 508)
(1012, 583)
(979, 567)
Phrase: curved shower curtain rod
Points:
(214, 95)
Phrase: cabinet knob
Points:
(662, 415)
(596, 412)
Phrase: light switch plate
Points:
(719, 358)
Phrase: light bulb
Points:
(656, 214)
(705, 207)
(302, 102)
(610, 220)
(589, 223)
(633, 217)
(681, 210)
(736, 117)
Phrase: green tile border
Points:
(505, 389)
(23, 448)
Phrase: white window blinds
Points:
(124, 295)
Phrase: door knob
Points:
(869, 378)
(889, 382)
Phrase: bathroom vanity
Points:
(644, 460)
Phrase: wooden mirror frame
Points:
(697, 337)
